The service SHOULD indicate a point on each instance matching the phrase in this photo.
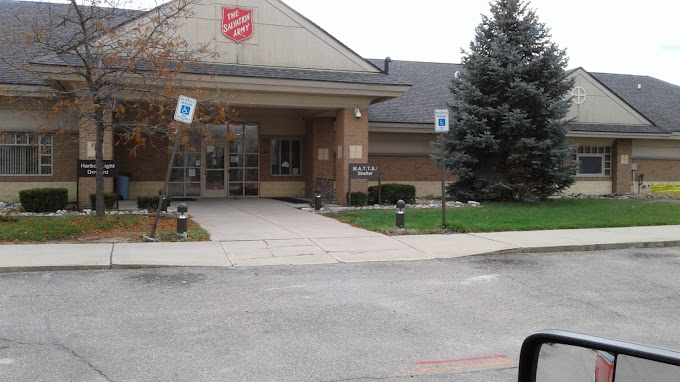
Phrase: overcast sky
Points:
(612, 36)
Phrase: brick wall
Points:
(149, 164)
(64, 168)
(621, 172)
(64, 162)
(408, 168)
(319, 134)
(658, 170)
(350, 131)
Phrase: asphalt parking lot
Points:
(457, 319)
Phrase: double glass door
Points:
(231, 163)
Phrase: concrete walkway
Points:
(257, 232)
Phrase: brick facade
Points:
(621, 172)
(64, 166)
(149, 163)
(658, 170)
(408, 168)
(350, 132)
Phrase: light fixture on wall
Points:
(357, 113)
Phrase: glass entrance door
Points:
(185, 175)
(214, 170)
(244, 160)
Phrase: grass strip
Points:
(494, 217)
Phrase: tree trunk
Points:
(99, 160)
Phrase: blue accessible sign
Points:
(441, 120)
(185, 109)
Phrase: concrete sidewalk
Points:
(355, 246)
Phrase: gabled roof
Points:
(13, 12)
(430, 90)
(13, 16)
(657, 100)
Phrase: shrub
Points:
(8, 219)
(150, 202)
(43, 199)
(391, 193)
(110, 199)
(358, 198)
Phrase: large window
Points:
(286, 156)
(25, 154)
(593, 160)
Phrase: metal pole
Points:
(443, 174)
(167, 180)
(349, 185)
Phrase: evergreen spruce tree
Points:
(508, 131)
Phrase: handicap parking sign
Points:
(441, 117)
(185, 109)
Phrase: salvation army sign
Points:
(237, 23)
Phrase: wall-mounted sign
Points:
(237, 23)
(364, 171)
(88, 169)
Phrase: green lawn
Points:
(110, 227)
(492, 217)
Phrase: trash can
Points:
(124, 186)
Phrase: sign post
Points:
(441, 126)
(184, 113)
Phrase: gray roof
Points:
(15, 13)
(18, 17)
(430, 90)
(657, 100)
(252, 71)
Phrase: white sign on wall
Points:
(441, 120)
(185, 109)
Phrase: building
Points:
(309, 106)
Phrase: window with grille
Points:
(593, 160)
(25, 154)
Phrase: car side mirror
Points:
(559, 356)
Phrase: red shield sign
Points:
(237, 23)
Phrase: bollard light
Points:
(162, 203)
(317, 199)
(400, 214)
(182, 220)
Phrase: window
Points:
(593, 160)
(25, 154)
(286, 156)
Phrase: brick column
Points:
(621, 170)
(87, 137)
(322, 139)
(351, 146)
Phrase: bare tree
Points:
(112, 69)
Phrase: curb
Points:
(519, 250)
(583, 248)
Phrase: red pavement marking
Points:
(463, 360)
